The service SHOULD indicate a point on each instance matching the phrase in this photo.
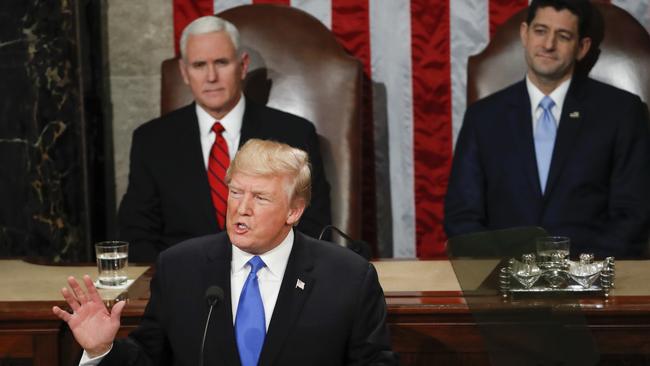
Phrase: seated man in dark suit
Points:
(176, 189)
(287, 299)
(556, 150)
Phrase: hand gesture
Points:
(92, 325)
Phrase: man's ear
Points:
(296, 211)
(523, 33)
(584, 45)
(182, 65)
(244, 60)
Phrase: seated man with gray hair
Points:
(286, 299)
(178, 162)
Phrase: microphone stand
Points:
(213, 295)
(358, 246)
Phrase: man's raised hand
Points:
(92, 325)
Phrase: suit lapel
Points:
(521, 124)
(220, 344)
(189, 147)
(571, 122)
(294, 291)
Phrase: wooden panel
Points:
(46, 349)
(16, 346)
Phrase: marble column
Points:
(139, 38)
(43, 180)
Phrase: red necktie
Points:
(217, 165)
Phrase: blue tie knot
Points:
(547, 103)
(256, 264)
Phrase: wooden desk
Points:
(430, 320)
(30, 334)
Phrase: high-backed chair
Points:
(298, 67)
(623, 60)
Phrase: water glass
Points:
(112, 262)
(553, 249)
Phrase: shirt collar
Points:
(558, 94)
(231, 122)
(275, 259)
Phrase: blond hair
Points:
(265, 158)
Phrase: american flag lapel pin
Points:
(575, 114)
(300, 284)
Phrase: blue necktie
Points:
(250, 325)
(545, 140)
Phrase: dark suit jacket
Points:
(168, 197)
(597, 190)
(337, 319)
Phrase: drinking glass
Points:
(553, 249)
(112, 261)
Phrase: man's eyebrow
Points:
(262, 192)
(566, 31)
(558, 30)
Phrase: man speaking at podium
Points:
(282, 298)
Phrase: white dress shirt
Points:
(558, 95)
(269, 277)
(231, 123)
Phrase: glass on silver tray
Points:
(553, 250)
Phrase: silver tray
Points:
(569, 289)
(509, 284)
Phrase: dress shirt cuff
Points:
(87, 361)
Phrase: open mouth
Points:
(241, 228)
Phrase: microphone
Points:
(358, 246)
(213, 295)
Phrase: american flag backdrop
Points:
(415, 55)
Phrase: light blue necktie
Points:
(250, 325)
(545, 140)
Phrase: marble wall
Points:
(51, 147)
(43, 203)
(140, 37)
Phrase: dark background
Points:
(53, 166)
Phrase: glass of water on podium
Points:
(553, 249)
(112, 262)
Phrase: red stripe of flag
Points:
(502, 10)
(351, 26)
(185, 12)
(432, 131)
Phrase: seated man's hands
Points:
(92, 325)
